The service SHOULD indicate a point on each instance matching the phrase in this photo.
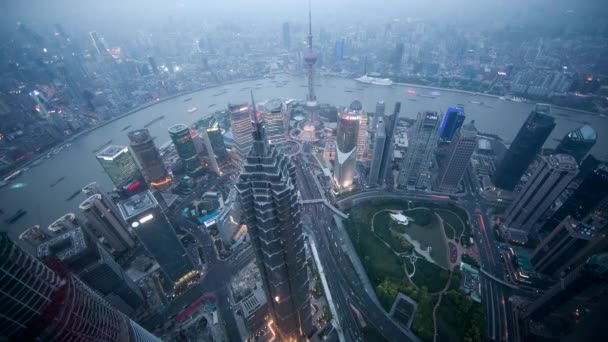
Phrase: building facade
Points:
(217, 144)
(119, 165)
(346, 145)
(415, 169)
(182, 140)
(242, 129)
(378, 154)
(524, 148)
(96, 268)
(149, 158)
(143, 213)
(458, 159)
(48, 303)
(274, 121)
(390, 124)
(578, 143)
(550, 176)
(452, 121)
(271, 209)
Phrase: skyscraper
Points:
(362, 138)
(149, 158)
(211, 157)
(524, 148)
(41, 303)
(574, 307)
(95, 267)
(339, 49)
(377, 156)
(414, 172)
(346, 145)
(397, 56)
(589, 188)
(458, 159)
(119, 165)
(180, 135)
(452, 121)
(571, 242)
(380, 108)
(274, 117)
(217, 143)
(240, 123)
(390, 124)
(286, 37)
(270, 208)
(143, 213)
(550, 176)
(578, 143)
(105, 220)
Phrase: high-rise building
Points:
(377, 156)
(211, 157)
(339, 49)
(589, 188)
(180, 135)
(271, 209)
(550, 176)
(105, 220)
(415, 169)
(452, 121)
(575, 307)
(397, 56)
(149, 158)
(143, 213)
(119, 165)
(240, 123)
(95, 267)
(42, 303)
(571, 242)
(34, 235)
(390, 124)
(362, 136)
(153, 65)
(274, 118)
(524, 148)
(380, 108)
(98, 43)
(217, 144)
(346, 145)
(286, 37)
(578, 143)
(458, 159)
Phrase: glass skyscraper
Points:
(119, 165)
(452, 121)
(578, 142)
(180, 135)
(524, 148)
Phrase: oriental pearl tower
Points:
(312, 106)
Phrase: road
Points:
(346, 286)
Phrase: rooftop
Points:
(179, 128)
(563, 162)
(274, 105)
(137, 204)
(253, 302)
(112, 151)
(65, 245)
(583, 133)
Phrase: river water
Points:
(78, 165)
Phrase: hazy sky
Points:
(132, 14)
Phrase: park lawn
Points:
(430, 275)
(430, 235)
(378, 260)
(459, 318)
(452, 219)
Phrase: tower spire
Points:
(309, 28)
(259, 136)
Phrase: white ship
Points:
(374, 80)
(192, 110)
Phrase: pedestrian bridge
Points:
(331, 207)
(497, 279)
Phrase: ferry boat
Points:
(192, 110)
(221, 92)
(125, 128)
(19, 214)
(188, 99)
(153, 121)
(374, 80)
(211, 105)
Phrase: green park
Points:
(414, 259)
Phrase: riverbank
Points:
(101, 124)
